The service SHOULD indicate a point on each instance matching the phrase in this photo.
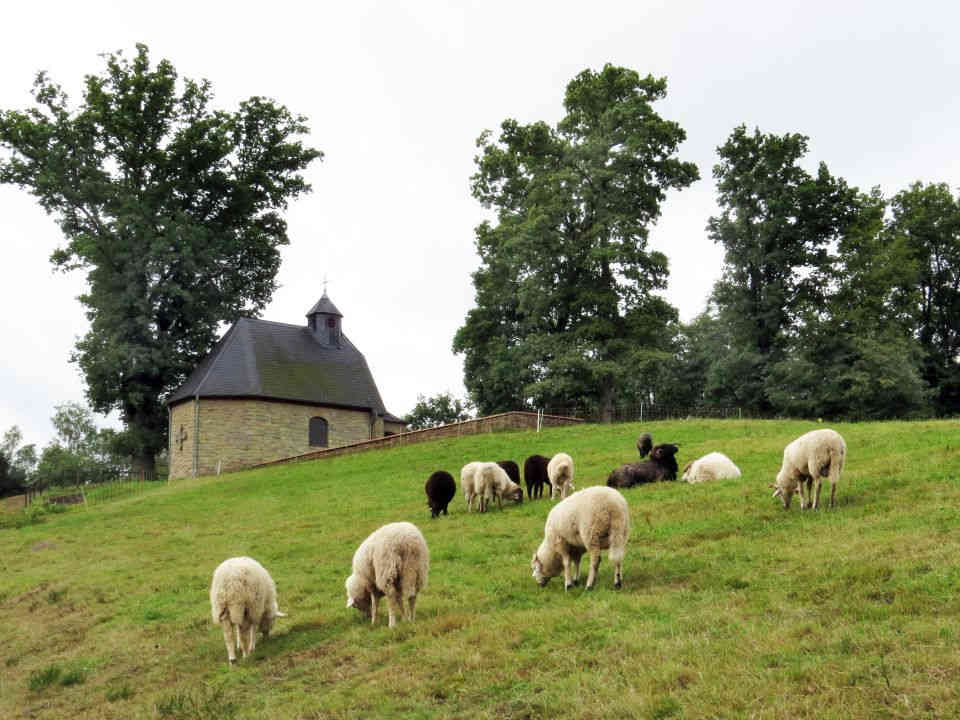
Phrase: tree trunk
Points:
(145, 466)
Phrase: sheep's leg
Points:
(412, 602)
(594, 564)
(374, 601)
(229, 639)
(566, 571)
(618, 574)
(500, 502)
(394, 608)
(251, 638)
(817, 483)
(833, 493)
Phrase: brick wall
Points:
(238, 433)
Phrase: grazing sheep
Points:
(661, 466)
(594, 519)
(513, 472)
(491, 482)
(560, 473)
(818, 454)
(243, 599)
(714, 466)
(644, 444)
(535, 475)
(440, 489)
(392, 561)
(468, 483)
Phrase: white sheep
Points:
(594, 519)
(713, 466)
(243, 599)
(815, 455)
(392, 561)
(560, 474)
(491, 482)
(468, 482)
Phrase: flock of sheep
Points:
(394, 560)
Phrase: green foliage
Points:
(172, 210)
(565, 312)
(441, 409)
(776, 224)
(926, 227)
(205, 704)
(44, 678)
(16, 462)
(81, 453)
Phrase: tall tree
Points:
(171, 208)
(566, 313)
(776, 225)
(926, 224)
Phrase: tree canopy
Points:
(566, 313)
(441, 409)
(172, 208)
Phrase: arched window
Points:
(318, 432)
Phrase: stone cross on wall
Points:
(181, 436)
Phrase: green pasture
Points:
(731, 606)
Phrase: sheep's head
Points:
(686, 471)
(268, 619)
(517, 494)
(357, 596)
(545, 564)
(644, 443)
(784, 490)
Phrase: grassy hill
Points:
(731, 607)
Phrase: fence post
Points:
(641, 411)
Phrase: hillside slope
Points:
(731, 607)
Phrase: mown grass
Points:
(731, 607)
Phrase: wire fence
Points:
(122, 484)
(650, 412)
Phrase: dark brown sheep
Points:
(440, 489)
(535, 475)
(661, 466)
(510, 467)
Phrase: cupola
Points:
(323, 320)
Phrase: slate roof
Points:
(325, 305)
(277, 361)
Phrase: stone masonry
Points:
(240, 432)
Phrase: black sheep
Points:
(511, 469)
(440, 490)
(661, 466)
(644, 443)
(535, 475)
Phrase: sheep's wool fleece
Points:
(713, 466)
(241, 584)
(595, 518)
(395, 554)
(811, 454)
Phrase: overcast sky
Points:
(397, 93)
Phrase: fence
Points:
(517, 420)
(650, 412)
(122, 484)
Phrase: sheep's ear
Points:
(350, 602)
(281, 614)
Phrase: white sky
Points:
(396, 97)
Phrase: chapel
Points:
(272, 390)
